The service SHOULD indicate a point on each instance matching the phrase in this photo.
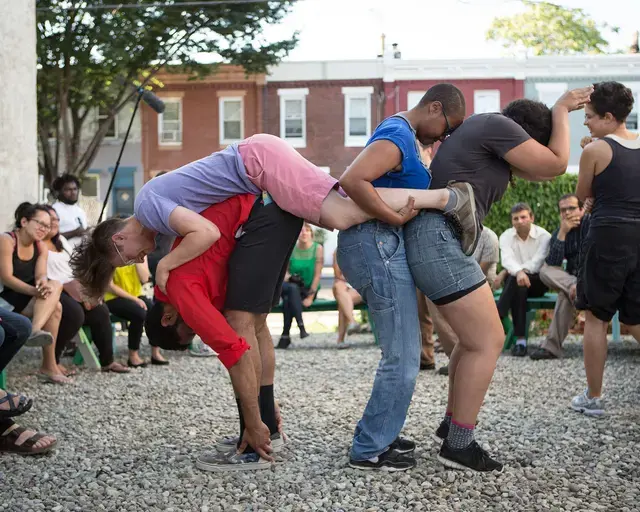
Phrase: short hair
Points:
(61, 181)
(27, 211)
(569, 196)
(612, 97)
(533, 116)
(166, 338)
(91, 259)
(449, 96)
(521, 207)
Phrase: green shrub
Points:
(541, 196)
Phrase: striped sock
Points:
(460, 435)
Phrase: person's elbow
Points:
(209, 233)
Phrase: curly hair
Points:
(91, 259)
(61, 181)
(533, 116)
(612, 97)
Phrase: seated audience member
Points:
(302, 284)
(23, 271)
(74, 303)
(524, 248)
(347, 298)
(73, 219)
(565, 244)
(14, 331)
(125, 300)
(487, 254)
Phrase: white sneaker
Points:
(589, 406)
(201, 349)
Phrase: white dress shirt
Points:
(529, 254)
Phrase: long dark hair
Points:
(55, 240)
(27, 211)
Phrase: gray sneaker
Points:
(222, 462)
(589, 406)
(464, 217)
(201, 349)
(229, 444)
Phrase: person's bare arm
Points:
(199, 234)
(598, 151)
(375, 160)
(144, 274)
(485, 266)
(536, 162)
(337, 273)
(6, 269)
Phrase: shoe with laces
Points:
(403, 445)
(472, 457)
(441, 432)
(587, 405)
(464, 217)
(201, 349)
(390, 461)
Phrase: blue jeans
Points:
(14, 331)
(373, 259)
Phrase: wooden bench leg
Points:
(3, 379)
(615, 327)
(86, 351)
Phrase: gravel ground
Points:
(128, 443)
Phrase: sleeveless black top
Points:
(617, 188)
(23, 270)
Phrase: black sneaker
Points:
(519, 350)
(284, 342)
(390, 461)
(441, 433)
(444, 370)
(542, 353)
(464, 216)
(402, 445)
(427, 366)
(472, 457)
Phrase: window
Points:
(357, 115)
(486, 101)
(413, 98)
(231, 119)
(91, 185)
(293, 116)
(170, 123)
(632, 120)
(549, 93)
(103, 114)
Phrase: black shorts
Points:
(610, 274)
(260, 259)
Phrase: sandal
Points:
(24, 404)
(9, 439)
(115, 367)
(54, 379)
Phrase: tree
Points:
(550, 29)
(89, 53)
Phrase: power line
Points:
(147, 6)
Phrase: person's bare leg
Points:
(345, 308)
(446, 335)
(339, 212)
(595, 352)
(39, 310)
(267, 353)
(49, 364)
(244, 324)
(634, 330)
(474, 357)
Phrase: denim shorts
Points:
(439, 267)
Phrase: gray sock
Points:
(459, 436)
(452, 202)
(447, 419)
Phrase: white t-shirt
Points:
(71, 217)
(58, 267)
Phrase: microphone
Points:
(153, 101)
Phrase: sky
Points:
(423, 29)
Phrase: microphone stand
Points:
(124, 142)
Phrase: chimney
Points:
(397, 54)
(382, 42)
(635, 47)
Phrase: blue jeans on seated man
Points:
(14, 331)
(373, 259)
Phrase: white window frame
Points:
(293, 95)
(352, 93)
(413, 98)
(556, 89)
(479, 94)
(100, 117)
(161, 122)
(635, 89)
(221, 105)
(92, 176)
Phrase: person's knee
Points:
(240, 321)
(57, 312)
(56, 288)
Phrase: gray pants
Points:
(564, 313)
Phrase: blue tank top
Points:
(413, 172)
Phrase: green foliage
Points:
(550, 29)
(85, 53)
(320, 235)
(541, 196)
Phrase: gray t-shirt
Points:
(195, 186)
(488, 251)
(474, 153)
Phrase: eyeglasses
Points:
(124, 262)
(42, 225)
(448, 130)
